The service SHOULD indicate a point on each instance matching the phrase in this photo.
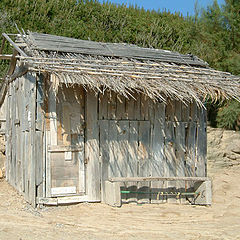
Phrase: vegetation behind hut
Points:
(213, 34)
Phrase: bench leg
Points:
(112, 194)
(205, 193)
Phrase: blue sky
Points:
(183, 6)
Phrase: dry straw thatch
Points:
(157, 76)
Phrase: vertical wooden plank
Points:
(66, 124)
(137, 106)
(39, 163)
(158, 164)
(193, 112)
(130, 103)
(121, 107)
(190, 149)
(112, 105)
(82, 176)
(52, 112)
(190, 156)
(185, 112)
(170, 170)
(180, 150)
(32, 93)
(201, 164)
(104, 155)
(113, 170)
(144, 158)
(39, 170)
(9, 136)
(92, 147)
(14, 162)
(123, 134)
(103, 106)
(122, 150)
(144, 105)
(48, 165)
(39, 107)
(132, 163)
(170, 110)
(18, 139)
(179, 147)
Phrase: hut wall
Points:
(92, 137)
(23, 137)
(145, 138)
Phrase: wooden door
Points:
(66, 156)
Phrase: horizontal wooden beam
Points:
(150, 179)
(63, 148)
(5, 57)
(64, 200)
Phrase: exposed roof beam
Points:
(5, 57)
(22, 53)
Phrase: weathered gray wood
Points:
(113, 148)
(63, 148)
(8, 136)
(193, 112)
(144, 105)
(52, 112)
(40, 107)
(39, 163)
(64, 173)
(185, 112)
(63, 191)
(130, 109)
(112, 105)
(144, 158)
(48, 165)
(158, 161)
(204, 190)
(132, 164)
(122, 151)
(14, 137)
(201, 159)
(64, 200)
(92, 147)
(32, 160)
(103, 106)
(14, 45)
(121, 107)
(180, 156)
(190, 152)
(57, 43)
(150, 179)
(104, 155)
(191, 149)
(170, 170)
(5, 57)
(137, 106)
(112, 194)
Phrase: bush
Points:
(228, 116)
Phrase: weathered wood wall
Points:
(80, 138)
(24, 135)
(145, 138)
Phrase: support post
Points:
(205, 193)
(112, 194)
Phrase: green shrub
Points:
(229, 115)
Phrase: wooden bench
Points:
(202, 188)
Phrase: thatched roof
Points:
(126, 68)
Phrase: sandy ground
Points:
(98, 221)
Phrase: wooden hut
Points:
(89, 121)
